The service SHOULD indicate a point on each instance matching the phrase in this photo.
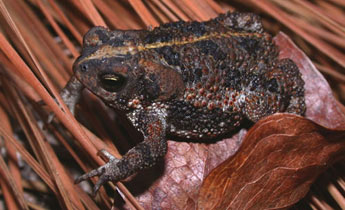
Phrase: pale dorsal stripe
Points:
(108, 51)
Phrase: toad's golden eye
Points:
(112, 82)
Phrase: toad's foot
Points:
(107, 172)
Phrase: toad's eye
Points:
(112, 82)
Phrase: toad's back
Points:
(230, 71)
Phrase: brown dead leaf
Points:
(175, 184)
(279, 159)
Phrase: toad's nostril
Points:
(84, 67)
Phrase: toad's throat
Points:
(108, 51)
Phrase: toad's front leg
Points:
(144, 155)
(70, 94)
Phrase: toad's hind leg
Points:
(296, 91)
(278, 89)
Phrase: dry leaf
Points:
(279, 159)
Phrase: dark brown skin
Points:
(184, 79)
